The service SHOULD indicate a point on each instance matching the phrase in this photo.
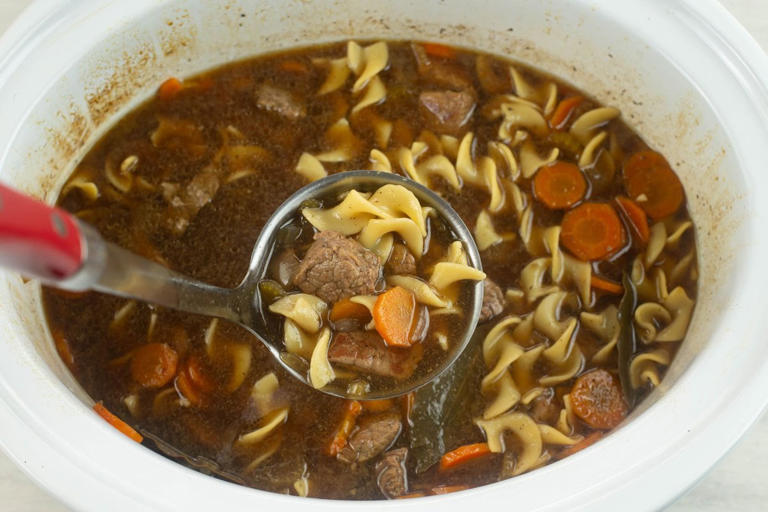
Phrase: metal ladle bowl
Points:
(110, 269)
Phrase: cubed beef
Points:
(544, 409)
(366, 351)
(493, 301)
(185, 203)
(391, 475)
(375, 434)
(446, 111)
(400, 261)
(280, 101)
(336, 267)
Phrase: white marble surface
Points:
(736, 483)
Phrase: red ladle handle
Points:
(36, 239)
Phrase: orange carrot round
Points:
(438, 50)
(463, 454)
(116, 422)
(345, 308)
(198, 374)
(592, 231)
(559, 185)
(169, 89)
(598, 283)
(597, 399)
(294, 66)
(154, 365)
(636, 217)
(393, 316)
(651, 182)
(563, 111)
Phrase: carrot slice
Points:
(169, 89)
(393, 315)
(411, 495)
(592, 231)
(563, 111)
(636, 217)
(574, 448)
(447, 489)
(154, 365)
(598, 283)
(345, 308)
(378, 405)
(597, 399)
(185, 386)
(440, 51)
(116, 422)
(294, 66)
(198, 374)
(651, 182)
(559, 185)
(62, 347)
(352, 410)
(463, 454)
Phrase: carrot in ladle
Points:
(154, 365)
(592, 231)
(563, 111)
(636, 217)
(345, 308)
(116, 422)
(651, 182)
(559, 185)
(393, 316)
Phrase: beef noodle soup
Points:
(398, 281)
(587, 247)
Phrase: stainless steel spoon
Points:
(62, 251)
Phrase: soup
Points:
(396, 278)
(583, 231)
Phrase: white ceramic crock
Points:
(685, 75)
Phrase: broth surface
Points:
(189, 178)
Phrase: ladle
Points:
(50, 244)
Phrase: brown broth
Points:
(216, 246)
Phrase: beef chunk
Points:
(366, 351)
(493, 301)
(280, 101)
(391, 475)
(401, 261)
(373, 437)
(446, 111)
(444, 74)
(544, 409)
(185, 203)
(337, 267)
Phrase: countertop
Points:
(737, 482)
